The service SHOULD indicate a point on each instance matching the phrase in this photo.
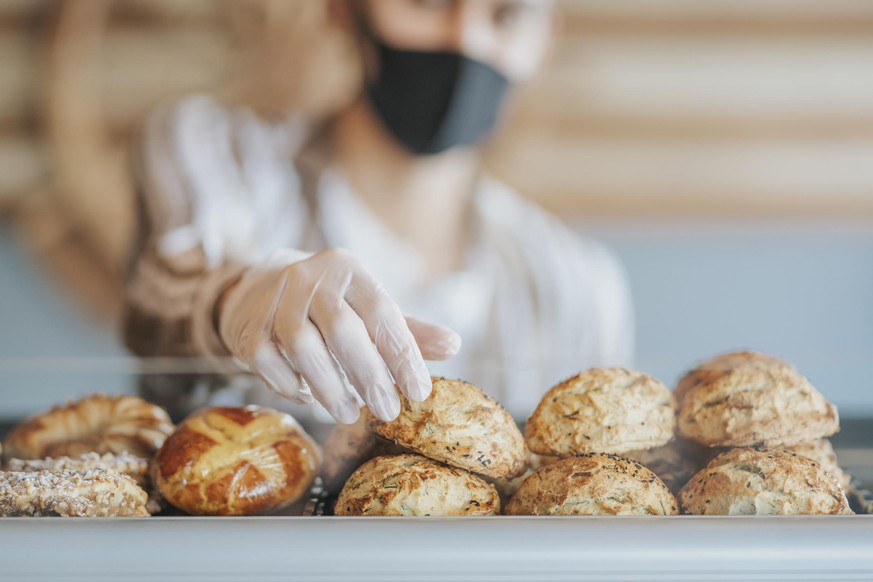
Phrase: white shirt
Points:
(534, 304)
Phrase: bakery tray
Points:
(504, 549)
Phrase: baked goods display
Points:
(90, 493)
(763, 482)
(415, 486)
(744, 433)
(603, 410)
(98, 423)
(461, 426)
(593, 484)
(746, 407)
(749, 399)
(236, 461)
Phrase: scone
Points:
(722, 364)
(415, 486)
(593, 484)
(604, 410)
(675, 463)
(459, 425)
(236, 461)
(755, 406)
(763, 482)
(348, 447)
(823, 453)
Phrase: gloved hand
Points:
(309, 325)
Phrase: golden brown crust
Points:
(91, 493)
(674, 463)
(756, 406)
(236, 461)
(459, 425)
(593, 484)
(412, 485)
(608, 410)
(348, 447)
(823, 453)
(721, 364)
(763, 482)
(97, 423)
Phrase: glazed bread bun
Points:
(593, 484)
(722, 364)
(236, 461)
(605, 410)
(459, 425)
(99, 424)
(822, 452)
(349, 446)
(756, 406)
(763, 482)
(415, 486)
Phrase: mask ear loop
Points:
(365, 37)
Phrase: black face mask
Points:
(434, 101)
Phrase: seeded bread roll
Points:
(607, 410)
(823, 453)
(751, 406)
(593, 484)
(99, 424)
(415, 486)
(720, 365)
(763, 482)
(236, 461)
(459, 425)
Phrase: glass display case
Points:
(306, 543)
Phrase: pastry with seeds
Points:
(763, 482)
(91, 493)
(593, 484)
(756, 406)
(605, 410)
(461, 426)
(415, 486)
(135, 467)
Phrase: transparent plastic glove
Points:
(310, 325)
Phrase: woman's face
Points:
(510, 35)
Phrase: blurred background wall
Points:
(724, 149)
